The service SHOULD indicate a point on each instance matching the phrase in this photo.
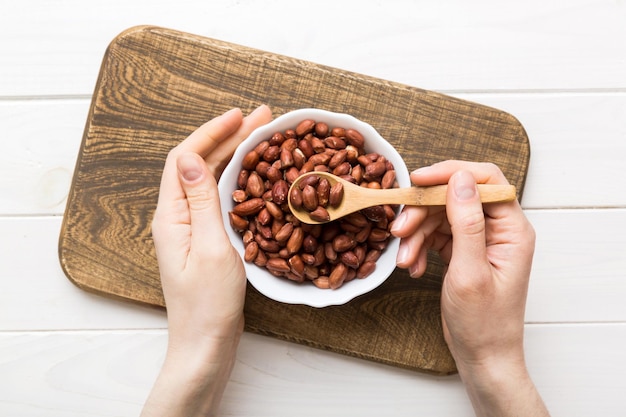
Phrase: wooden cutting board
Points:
(157, 85)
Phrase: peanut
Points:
(309, 198)
(336, 194)
(249, 207)
(320, 214)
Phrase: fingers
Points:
(483, 173)
(220, 155)
(187, 225)
(215, 141)
(200, 189)
(201, 141)
(467, 222)
(417, 231)
(462, 230)
(408, 221)
(208, 136)
(439, 173)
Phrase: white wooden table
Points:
(560, 67)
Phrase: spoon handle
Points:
(436, 195)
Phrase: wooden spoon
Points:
(356, 198)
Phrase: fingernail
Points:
(233, 110)
(189, 168)
(403, 253)
(399, 222)
(464, 185)
(420, 171)
(262, 106)
(413, 271)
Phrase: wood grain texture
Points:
(566, 132)
(157, 85)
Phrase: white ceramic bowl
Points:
(281, 289)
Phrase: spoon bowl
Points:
(356, 198)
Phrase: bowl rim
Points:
(290, 292)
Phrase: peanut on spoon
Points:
(344, 197)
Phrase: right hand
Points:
(488, 250)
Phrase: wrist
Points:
(193, 376)
(488, 375)
(498, 387)
(203, 359)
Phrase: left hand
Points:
(202, 275)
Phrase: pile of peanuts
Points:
(315, 195)
(330, 254)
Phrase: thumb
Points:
(467, 221)
(202, 196)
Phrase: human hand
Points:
(202, 275)
(488, 250)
